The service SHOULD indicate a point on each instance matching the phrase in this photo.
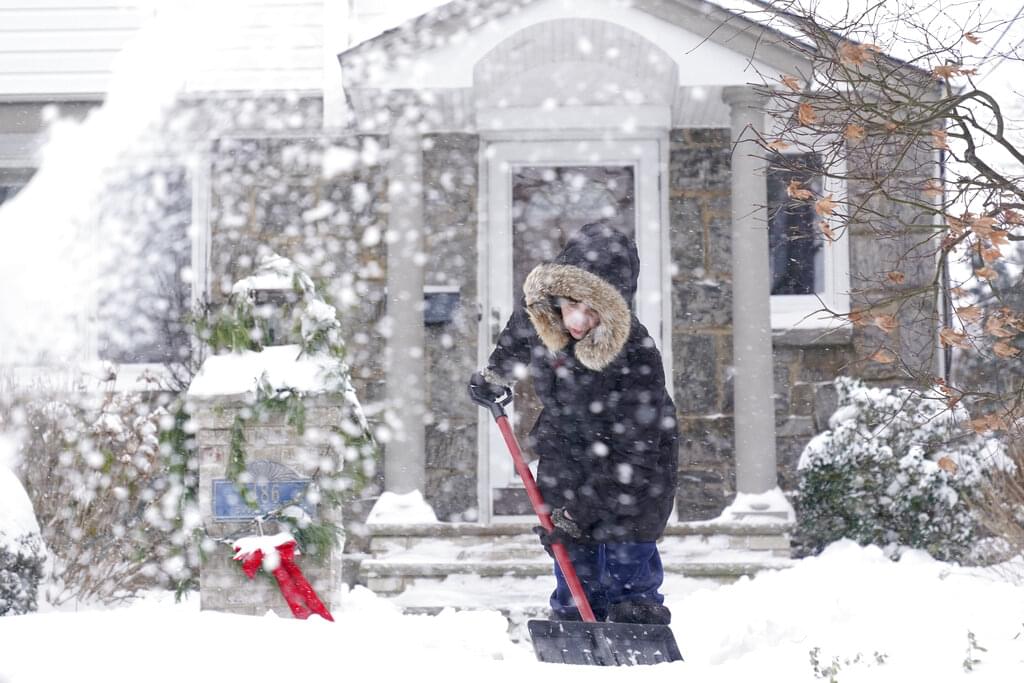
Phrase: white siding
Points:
(62, 46)
(67, 47)
(276, 45)
(373, 17)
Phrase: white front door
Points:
(534, 195)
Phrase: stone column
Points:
(405, 454)
(753, 384)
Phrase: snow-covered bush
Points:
(109, 508)
(21, 547)
(896, 468)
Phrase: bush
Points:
(896, 468)
(104, 489)
(21, 569)
(21, 547)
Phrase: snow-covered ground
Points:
(912, 620)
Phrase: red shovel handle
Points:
(559, 551)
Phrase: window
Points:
(12, 180)
(145, 292)
(808, 272)
(794, 241)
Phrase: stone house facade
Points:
(416, 178)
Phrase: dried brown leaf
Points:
(985, 423)
(854, 132)
(806, 115)
(896, 277)
(947, 71)
(1004, 350)
(969, 313)
(932, 188)
(826, 230)
(825, 206)
(983, 225)
(991, 254)
(886, 323)
(856, 54)
(996, 327)
(857, 318)
(796, 190)
(971, 38)
(883, 356)
(791, 82)
(986, 272)
(946, 463)
(778, 145)
(998, 237)
(950, 337)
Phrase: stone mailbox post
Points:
(280, 462)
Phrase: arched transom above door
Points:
(574, 62)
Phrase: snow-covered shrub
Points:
(109, 509)
(896, 468)
(21, 547)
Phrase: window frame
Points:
(89, 371)
(804, 311)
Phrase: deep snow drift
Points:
(912, 620)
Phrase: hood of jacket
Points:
(599, 267)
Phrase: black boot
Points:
(639, 613)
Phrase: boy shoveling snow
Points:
(606, 436)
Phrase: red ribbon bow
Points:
(296, 590)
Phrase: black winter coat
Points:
(606, 436)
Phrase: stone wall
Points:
(450, 169)
(320, 201)
(804, 364)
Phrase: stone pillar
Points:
(405, 454)
(751, 301)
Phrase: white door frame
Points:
(648, 155)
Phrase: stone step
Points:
(426, 567)
(499, 529)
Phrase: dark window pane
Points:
(794, 241)
(12, 180)
(143, 297)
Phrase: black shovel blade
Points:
(602, 644)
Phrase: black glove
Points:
(482, 390)
(565, 530)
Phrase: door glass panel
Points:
(549, 203)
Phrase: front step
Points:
(426, 567)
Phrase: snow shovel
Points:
(588, 641)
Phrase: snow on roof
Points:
(233, 374)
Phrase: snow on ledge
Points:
(758, 509)
(405, 508)
(232, 374)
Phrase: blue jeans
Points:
(610, 573)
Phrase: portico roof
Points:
(441, 48)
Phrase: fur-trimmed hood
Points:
(599, 267)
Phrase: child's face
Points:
(578, 318)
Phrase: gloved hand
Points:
(565, 530)
(482, 389)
